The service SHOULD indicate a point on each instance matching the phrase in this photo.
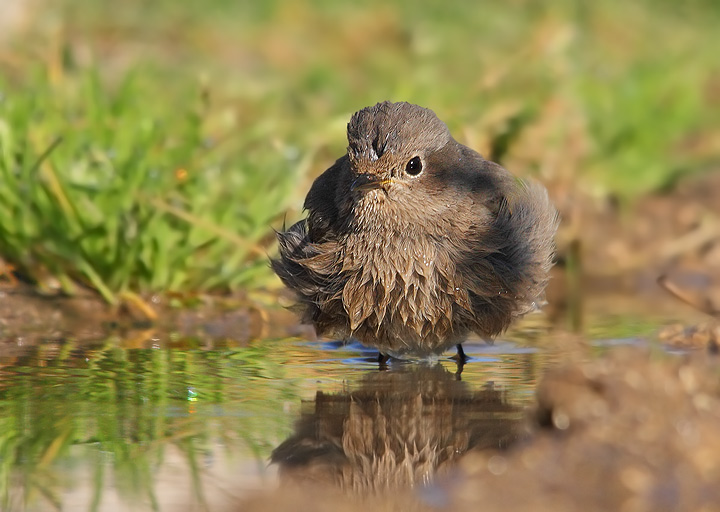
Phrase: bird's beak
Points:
(369, 182)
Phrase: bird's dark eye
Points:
(414, 166)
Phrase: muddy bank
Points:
(625, 248)
(28, 317)
(631, 431)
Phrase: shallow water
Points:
(179, 427)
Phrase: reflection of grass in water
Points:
(26, 461)
(164, 181)
(127, 407)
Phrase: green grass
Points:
(155, 149)
(124, 188)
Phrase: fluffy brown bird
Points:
(413, 240)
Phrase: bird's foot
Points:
(460, 356)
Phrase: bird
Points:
(413, 241)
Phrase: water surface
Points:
(183, 427)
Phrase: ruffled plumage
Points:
(414, 264)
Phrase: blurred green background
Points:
(153, 146)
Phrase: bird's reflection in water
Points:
(397, 428)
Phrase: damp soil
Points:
(607, 400)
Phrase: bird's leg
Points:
(461, 357)
(383, 359)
